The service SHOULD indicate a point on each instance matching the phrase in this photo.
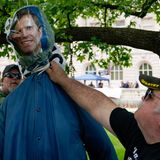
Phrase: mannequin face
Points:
(27, 35)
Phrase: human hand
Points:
(56, 73)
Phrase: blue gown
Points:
(39, 121)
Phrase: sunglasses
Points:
(12, 75)
(149, 95)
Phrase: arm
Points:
(95, 102)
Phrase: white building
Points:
(143, 61)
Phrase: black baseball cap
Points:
(8, 68)
(150, 82)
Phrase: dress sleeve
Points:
(123, 124)
(2, 121)
(95, 138)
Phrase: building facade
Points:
(142, 61)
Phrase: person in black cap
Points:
(139, 132)
(11, 77)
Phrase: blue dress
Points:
(39, 121)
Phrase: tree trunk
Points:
(141, 39)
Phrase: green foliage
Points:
(6, 51)
(117, 55)
(109, 55)
(156, 9)
(64, 14)
(117, 145)
(120, 150)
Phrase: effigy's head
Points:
(29, 31)
(32, 38)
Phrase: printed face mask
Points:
(32, 38)
(27, 35)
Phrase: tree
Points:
(79, 41)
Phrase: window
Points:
(148, 23)
(120, 23)
(91, 69)
(116, 73)
(145, 69)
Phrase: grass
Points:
(118, 146)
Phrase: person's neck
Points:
(152, 139)
(5, 91)
(151, 135)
